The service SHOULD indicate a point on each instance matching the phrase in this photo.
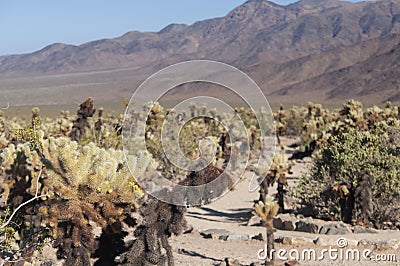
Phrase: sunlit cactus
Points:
(267, 211)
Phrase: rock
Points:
(278, 223)
(364, 230)
(47, 257)
(285, 222)
(229, 262)
(299, 241)
(234, 237)
(289, 225)
(46, 263)
(213, 233)
(286, 240)
(306, 226)
(258, 237)
(336, 229)
(352, 242)
(255, 220)
(295, 241)
(188, 229)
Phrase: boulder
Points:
(307, 226)
(336, 229)
(364, 230)
(285, 222)
(213, 233)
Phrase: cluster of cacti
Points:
(77, 185)
(348, 141)
(316, 124)
(87, 183)
(70, 188)
(199, 124)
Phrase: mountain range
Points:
(312, 50)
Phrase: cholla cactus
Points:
(267, 211)
(30, 134)
(82, 185)
(103, 171)
(276, 174)
(160, 221)
(353, 115)
(3, 138)
(281, 124)
(65, 122)
(81, 124)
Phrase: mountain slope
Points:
(254, 32)
(373, 80)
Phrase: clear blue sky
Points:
(29, 25)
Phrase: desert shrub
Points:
(335, 174)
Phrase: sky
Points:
(30, 25)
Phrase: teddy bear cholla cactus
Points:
(276, 172)
(83, 186)
(267, 211)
